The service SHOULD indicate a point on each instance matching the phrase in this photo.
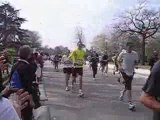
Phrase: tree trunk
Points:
(143, 50)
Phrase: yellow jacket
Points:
(77, 56)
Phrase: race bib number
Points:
(68, 62)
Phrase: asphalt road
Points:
(101, 101)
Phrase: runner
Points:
(154, 58)
(89, 59)
(104, 63)
(114, 58)
(94, 63)
(77, 57)
(127, 61)
(56, 60)
(67, 68)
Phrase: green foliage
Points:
(31, 38)
(11, 33)
(10, 54)
(10, 24)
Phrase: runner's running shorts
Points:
(77, 71)
(127, 80)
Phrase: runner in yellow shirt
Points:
(77, 57)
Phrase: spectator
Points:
(7, 111)
(36, 93)
(25, 73)
(151, 92)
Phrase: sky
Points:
(56, 20)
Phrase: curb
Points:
(42, 113)
(43, 96)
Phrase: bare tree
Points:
(142, 21)
(79, 35)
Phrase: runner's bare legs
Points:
(80, 82)
(67, 77)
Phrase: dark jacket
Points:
(25, 73)
(152, 61)
(94, 59)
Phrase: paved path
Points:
(100, 101)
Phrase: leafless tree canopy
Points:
(79, 35)
(141, 21)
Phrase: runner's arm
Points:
(72, 57)
(119, 60)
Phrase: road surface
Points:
(101, 101)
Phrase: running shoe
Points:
(67, 88)
(131, 106)
(80, 94)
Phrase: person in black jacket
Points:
(104, 63)
(151, 92)
(94, 63)
(25, 72)
(35, 85)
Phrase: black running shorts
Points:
(77, 71)
(127, 80)
(67, 70)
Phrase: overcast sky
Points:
(56, 20)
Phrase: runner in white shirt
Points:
(67, 68)
(127, 61)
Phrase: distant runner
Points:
(114, 58)
(94, 63)
(56, 61)
(104, 63)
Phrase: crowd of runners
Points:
(125, 64)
